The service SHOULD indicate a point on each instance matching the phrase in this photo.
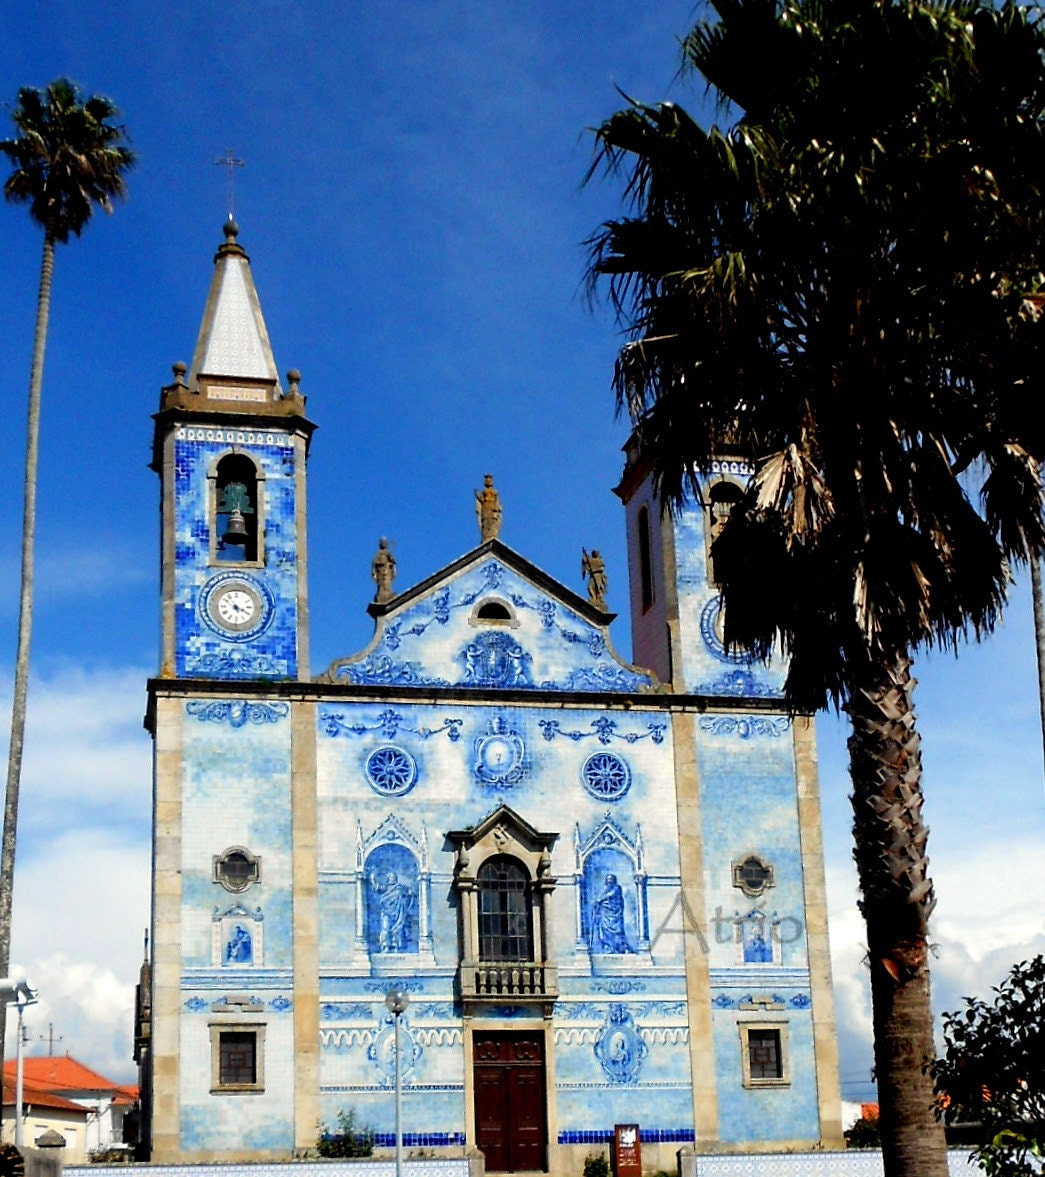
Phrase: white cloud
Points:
(80, 913)
(987, 919)
(87, 757)
(81, 899)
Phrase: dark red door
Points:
(509, 1100)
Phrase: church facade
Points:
(599, 882)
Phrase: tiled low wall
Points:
(459, 1167)
(855, 1163)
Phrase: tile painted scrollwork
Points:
(738, 684)
(388, 723)
(238, 664)
(618, 987)
(600, 678)
(619, 1047)
(380, 670)
(237, 712)
(391, 771)
(606, 776)
(745, 727)
(606, 731)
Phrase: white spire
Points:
(233, 341)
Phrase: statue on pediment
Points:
(593, 569)
(383, 571)
(488, 509)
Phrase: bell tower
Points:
(230, 446)
(676, 616)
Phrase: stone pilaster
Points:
(305, 854)
(166, 928)
(825, 1042)
(698, 977)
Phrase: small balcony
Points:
(509, 982)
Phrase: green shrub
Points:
(596, 1164)
(350, 1139)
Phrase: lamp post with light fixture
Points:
(19, 993)
(397, 1000)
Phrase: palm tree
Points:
(831, 286)
(68, 157)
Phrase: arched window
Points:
(645, 560)
(236, 509)
(723, 496)
(493, 611)
(505, 915)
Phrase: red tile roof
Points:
(62, 1074)
(38, 1098)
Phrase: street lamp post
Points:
(18, 993)
(397, 1000)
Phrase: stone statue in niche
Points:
(383, 571)
(239, 948)
(393, 905)
(593, 569)
(606, 930)
(488, 509)
(391, 900)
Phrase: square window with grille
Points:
(238, 1063)
(237, 1058)
(764, 1054)
(763, 1049)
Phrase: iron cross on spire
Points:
(229, 161)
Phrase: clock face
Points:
(235, 606)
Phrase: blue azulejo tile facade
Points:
(595, 880)
(206, 646)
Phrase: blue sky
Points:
(411, 203)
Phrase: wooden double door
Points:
(508, 1074)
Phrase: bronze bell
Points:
(237, 530)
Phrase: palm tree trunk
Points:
(890, 838)
(1039, 633)
(25, 624)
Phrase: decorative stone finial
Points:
(383, 571)
(593, 569)
(230, 229)
(179, 369)
(488, 510)
(293, 380)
